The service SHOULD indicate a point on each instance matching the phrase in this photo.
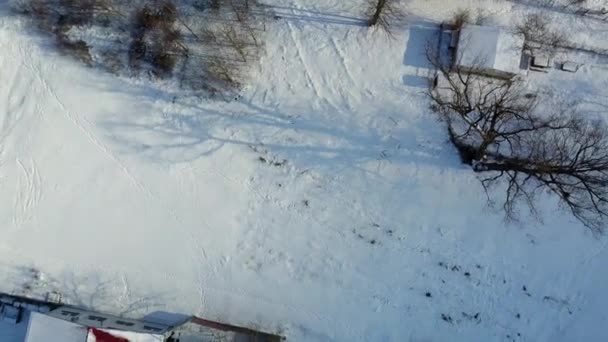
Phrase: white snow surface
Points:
(130, 202)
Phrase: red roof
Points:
(102, 336)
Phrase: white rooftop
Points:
(39, 327)
(490, 48)
(43, 328)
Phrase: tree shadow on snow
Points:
(298, 14)
(191, 130)
(421, 34)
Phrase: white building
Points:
(30, 320)
(49, 327)
(490, 51)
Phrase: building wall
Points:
(489, 73)
(44, 328)
(104, 321)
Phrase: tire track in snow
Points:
(17, 205)
(18, 86)
(300, 56)
(340, 59)
(341, 55)
(28, 192)
(11, 117)
(203, 268)
(82, 127)
(350, 79)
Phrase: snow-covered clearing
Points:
(324, 205)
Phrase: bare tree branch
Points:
(500, 131)
(383, 14)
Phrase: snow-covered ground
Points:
(324, 205)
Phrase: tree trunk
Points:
(525, 166)
(377, 13)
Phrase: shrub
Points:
(77, 48)
(536, 29)
(224, 73)
(32, 8)
(146, 19)
(137, 52)
(75, 12)
(163, 63)
(155, 41)
(111, 59)
(168, 11)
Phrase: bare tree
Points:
(383, 13)
(155, 40)
(460, 18)
(539, 33)
(502, 133)
(207, 45)
(229, 42)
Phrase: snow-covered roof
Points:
(100, 320)
(44, 328)
(490, 48)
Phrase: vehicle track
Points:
(82, 124)
(308, 76)
(29, 192)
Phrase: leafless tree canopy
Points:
(499, 130)
(460, 18)
(206, 45)
(383, 13)
(540, 34)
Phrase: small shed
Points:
(491, 51)
(570, 66)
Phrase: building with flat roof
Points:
(491, 51)
(30, 320)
